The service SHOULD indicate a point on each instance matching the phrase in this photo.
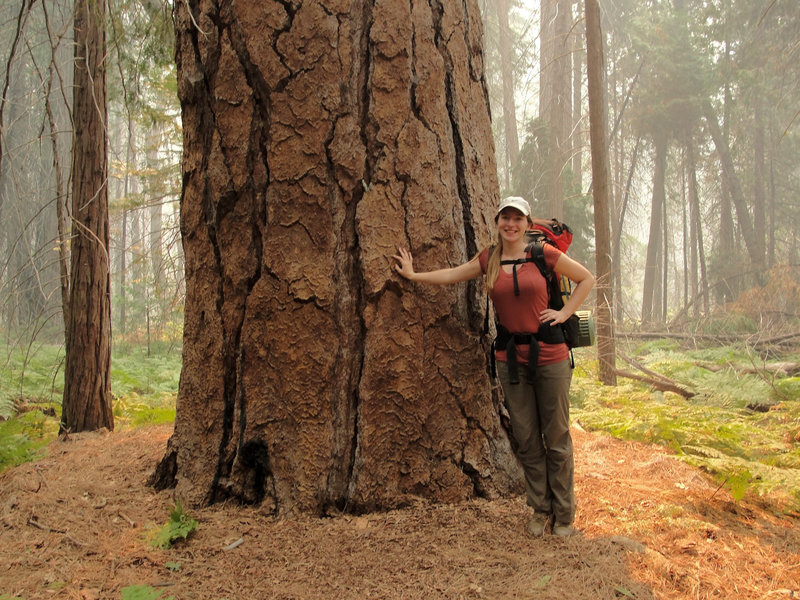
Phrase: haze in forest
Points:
(703, 132)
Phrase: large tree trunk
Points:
(595, 65)
(87, 396)
(316, 141)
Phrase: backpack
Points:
(578, 330)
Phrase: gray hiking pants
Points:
(540, 426)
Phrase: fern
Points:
(179, 526)
(749, 451)
(738, 483)
(7, 408)
(23, 436)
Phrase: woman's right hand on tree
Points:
(405, 263)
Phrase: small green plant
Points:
(738, 481)
(179, 526)
(143, 592)
(623, 592)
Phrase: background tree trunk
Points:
(759, 184)
(555, 96)
(737, 194)
(87, 397)
(578, 50)
(316, 141)
(699, 289)
(509, 103)
(617, 247)
(651, 299)
(595, 65)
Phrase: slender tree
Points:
(731, 177)
(697, 257)
(577, 139)
(87, 398)
(555, 97)
(650, 294)
(509, 102)
(595, 66)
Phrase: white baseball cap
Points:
(517, 202)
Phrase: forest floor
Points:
(75, 524)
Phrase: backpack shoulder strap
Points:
(555, 297)
(536, 251)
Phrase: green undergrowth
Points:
(23, 437)
(744, 429)
(144, 388)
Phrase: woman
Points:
(539, 407)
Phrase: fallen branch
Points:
(645, 370)
(657, 380)
(659, 384)
(74, 541)
(778, 339)
(34, 523)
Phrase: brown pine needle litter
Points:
(76, 523)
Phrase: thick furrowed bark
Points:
(318, 138)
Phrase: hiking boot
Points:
(538, 524)
(563, 529)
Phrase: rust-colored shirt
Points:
(520, 314)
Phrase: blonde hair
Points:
(493, 263)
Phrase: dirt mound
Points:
(75, 525)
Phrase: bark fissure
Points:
(216, 210)
(452, 111)
(342, 498)
(248, 488)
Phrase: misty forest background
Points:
(703, 134)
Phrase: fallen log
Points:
(657, 380)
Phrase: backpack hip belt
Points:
(508, 341)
